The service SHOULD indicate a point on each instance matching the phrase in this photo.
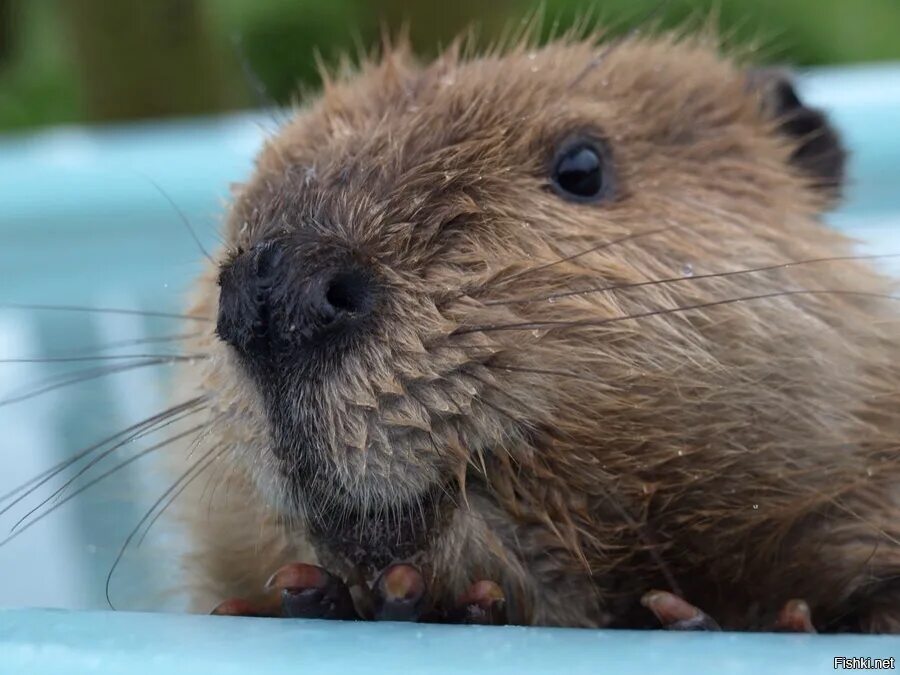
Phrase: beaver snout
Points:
(270, 301)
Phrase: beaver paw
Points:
(398, 594)
(311, 592)
(677, 614)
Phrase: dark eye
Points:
(581, 171)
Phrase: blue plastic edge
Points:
(41, 642)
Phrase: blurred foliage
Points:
(100, 60)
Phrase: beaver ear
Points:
(818, 150)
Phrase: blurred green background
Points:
(65, 61)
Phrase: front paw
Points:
(298, 590)
(312, 592)
(674, 613)
(399, 593)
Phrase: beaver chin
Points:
(373, 536)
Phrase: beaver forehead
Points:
(398, 143)
(400, 113)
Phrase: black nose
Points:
(269, 301)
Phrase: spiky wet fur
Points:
(746, 452)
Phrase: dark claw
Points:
(484, 604)
(399, 594)
(310, 592)
(795, 617)
(676, 614)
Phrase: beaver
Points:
(548, 327)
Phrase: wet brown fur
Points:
(747, 452)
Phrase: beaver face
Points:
(416, 282)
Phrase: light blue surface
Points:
(81, 222)
(53, 642)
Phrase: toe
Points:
(483, 603)
(399, 594)
(795, 617)
(311, 592)
(240, 607)
(676, 614)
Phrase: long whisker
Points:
(530, 325)
(598, 247)
(157, 339)
(91, 374)
(688, 279)
(206, 461)
(174, 496)
(256, 85)
(131, 432)
(101, 357)
(539, 371)
(181, 215)
(60, 377)
(143, 453)
(94, 461)
(102, 310)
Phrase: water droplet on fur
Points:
(681, 453)
(292, 327)
(532, 56)
(536, 333)
(870, 472)
(551, 300)
(756, 507)
(687, 270)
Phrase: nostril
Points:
(246, 315)
(270, 303)
(349, 293)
